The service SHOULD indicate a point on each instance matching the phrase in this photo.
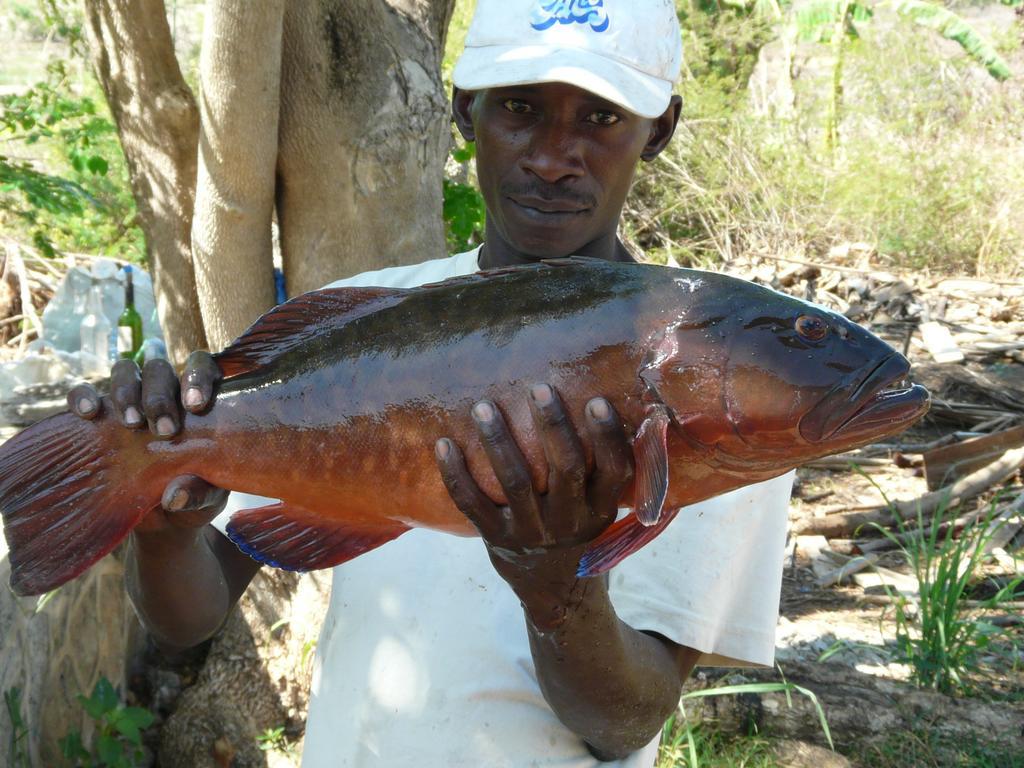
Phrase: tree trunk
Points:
(330, 112)
(346, 107)
(364, 128)
(86, 631)
(239, 108)
(158, 125)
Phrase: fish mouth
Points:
(880, 404)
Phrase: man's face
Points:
(554, 163)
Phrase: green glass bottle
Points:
(129, 324)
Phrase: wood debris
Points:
(965, 340)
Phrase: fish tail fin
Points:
(65, 498)
(619, 541)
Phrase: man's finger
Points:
(191, 502)
(466, 494)
(84, 401)
(613, 457)
(526, 525)
(126, 392)
(567, 464)
(197, 382)
(160, 398)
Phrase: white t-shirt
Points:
(423, 659)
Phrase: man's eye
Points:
(603, 118)
(516, 106)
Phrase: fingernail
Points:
(132, 417)
(85, 405)
(178, 500)
(483, 412)
(541, 394)
(599, 409)
(443, 448)
(164, 426)
(193, 397)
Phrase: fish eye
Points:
(811, 327)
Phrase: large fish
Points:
(333, 401)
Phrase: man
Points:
(440, 651)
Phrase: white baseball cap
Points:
(626, 51)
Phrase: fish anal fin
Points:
(619, 541)
(296, 540)
(650, 457)
(290, 324)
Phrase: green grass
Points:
(926, 171)
(943, 641)
(925, 749)
(688, 746)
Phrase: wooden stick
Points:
(976, 604)
(14, 257)
(850, 567)
(12, 320)
(999, 471)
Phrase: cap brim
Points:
(498, 66)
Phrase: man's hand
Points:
(535, 542)
(151, 398)
(182, 575)
(610, 684)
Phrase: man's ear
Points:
(662, 129)
(462, 107)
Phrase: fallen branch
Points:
(27, 308)
(850, 567)
(974, 484)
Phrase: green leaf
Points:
(105, 695)
(465, 153)
(97, 165)
(142, 718)
(954, 27)
(126, 727)
(92, 708)
(71, 747)
(109, 749)
(45, 598)
(463, 211)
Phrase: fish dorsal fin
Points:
(288, 325)
(514, 269)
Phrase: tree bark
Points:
(158, 125)
(365, 128)
(352, 141)
(239, 106)
(86, 631)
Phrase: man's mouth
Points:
(548, 207)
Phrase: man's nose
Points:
(554, 153)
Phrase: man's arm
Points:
(182, 575)
(611, 684)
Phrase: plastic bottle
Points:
(94, 332)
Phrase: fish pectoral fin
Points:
(297, 540)
(619, 541)
(650, 456)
